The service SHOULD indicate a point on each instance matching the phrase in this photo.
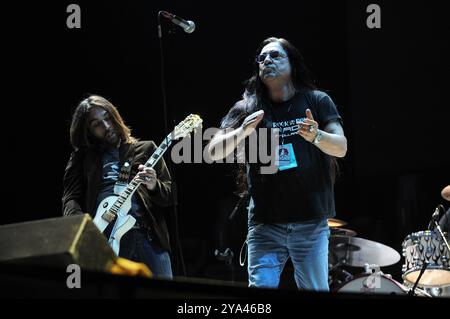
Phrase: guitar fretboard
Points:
(133, 185)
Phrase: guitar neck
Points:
(133, 185)
(159, 152)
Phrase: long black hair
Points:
(256, 97)
(79, 133)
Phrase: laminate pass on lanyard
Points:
(285, 158)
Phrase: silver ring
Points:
(147, 179)
(311, 128)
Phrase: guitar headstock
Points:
(189, 124)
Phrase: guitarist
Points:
(104, 152)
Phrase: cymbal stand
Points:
(438, 227)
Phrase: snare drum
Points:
(373, 284)
(426, 246)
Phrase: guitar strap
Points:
(124, 174)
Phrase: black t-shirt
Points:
(306, 191)
(110, 167)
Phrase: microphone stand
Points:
(177, 245)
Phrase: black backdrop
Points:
(390, 85)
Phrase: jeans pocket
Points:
(255, 226)
(254, 229)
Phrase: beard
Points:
(269, 73)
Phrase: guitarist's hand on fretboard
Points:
(146, 176)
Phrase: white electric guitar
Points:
(116, 207)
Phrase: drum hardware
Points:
(374, 281)
(425, 252)
(372, 269)
(434, 224)
(342, 232)
(359, 252)
(226, 255)
(338, 275)
(412, 291)
(434, 217)
(347, 250)
(427, 256)
(421, 291)
(333, 222)
(437, 291)
(432, 249)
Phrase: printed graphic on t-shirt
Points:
(290, 127)
(111, 171)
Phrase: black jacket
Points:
(83, 175)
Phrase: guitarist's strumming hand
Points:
(147, 176)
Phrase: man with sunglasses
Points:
(288, 210)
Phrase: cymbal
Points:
(354, 251)
(342, 232)
(333, 222)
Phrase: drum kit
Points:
(425, 272)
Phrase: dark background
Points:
(390, 86)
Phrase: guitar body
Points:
(122, 225)
(103, 208)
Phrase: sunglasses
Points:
(273, 55)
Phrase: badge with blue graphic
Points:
(285, 157)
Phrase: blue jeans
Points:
(270, 246)
(136, 246)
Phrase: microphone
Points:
(188, 26)
(434, 218)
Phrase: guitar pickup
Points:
(108, 216)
